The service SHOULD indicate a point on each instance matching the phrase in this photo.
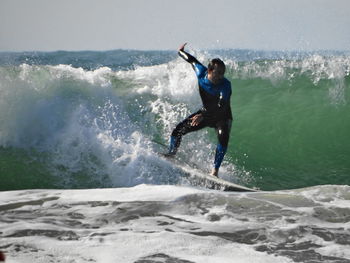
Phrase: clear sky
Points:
(161, 24)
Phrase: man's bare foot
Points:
(168, 155)
(215, 172)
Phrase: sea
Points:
(81, 178)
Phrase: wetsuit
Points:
(216, 110)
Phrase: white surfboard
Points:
(202, 179)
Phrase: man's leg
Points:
(223, 132)
(181, 129)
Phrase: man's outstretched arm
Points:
(186, 56)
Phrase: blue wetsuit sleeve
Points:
(196, 65)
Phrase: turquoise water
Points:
(88, 119)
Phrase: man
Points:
(215, 92)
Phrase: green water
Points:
(291, 134)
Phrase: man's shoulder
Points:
(200, 69)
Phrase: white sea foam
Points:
(176, 223)
(76, 118)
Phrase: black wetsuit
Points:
(216, 110)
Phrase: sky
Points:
(47, 25)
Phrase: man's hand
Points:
(182, 47)
(196, 119)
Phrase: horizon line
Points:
(175, 50)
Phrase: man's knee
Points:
(179, 130)
(223, 132)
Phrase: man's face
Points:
(216, 75)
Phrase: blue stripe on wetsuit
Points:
(174, 141)
(219, 155)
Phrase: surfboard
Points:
(196, 177)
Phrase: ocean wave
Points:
(95, 127)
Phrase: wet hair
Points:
(218, 62)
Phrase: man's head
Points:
(216, 70)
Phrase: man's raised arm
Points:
(186, 56)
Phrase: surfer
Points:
(215, 92)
